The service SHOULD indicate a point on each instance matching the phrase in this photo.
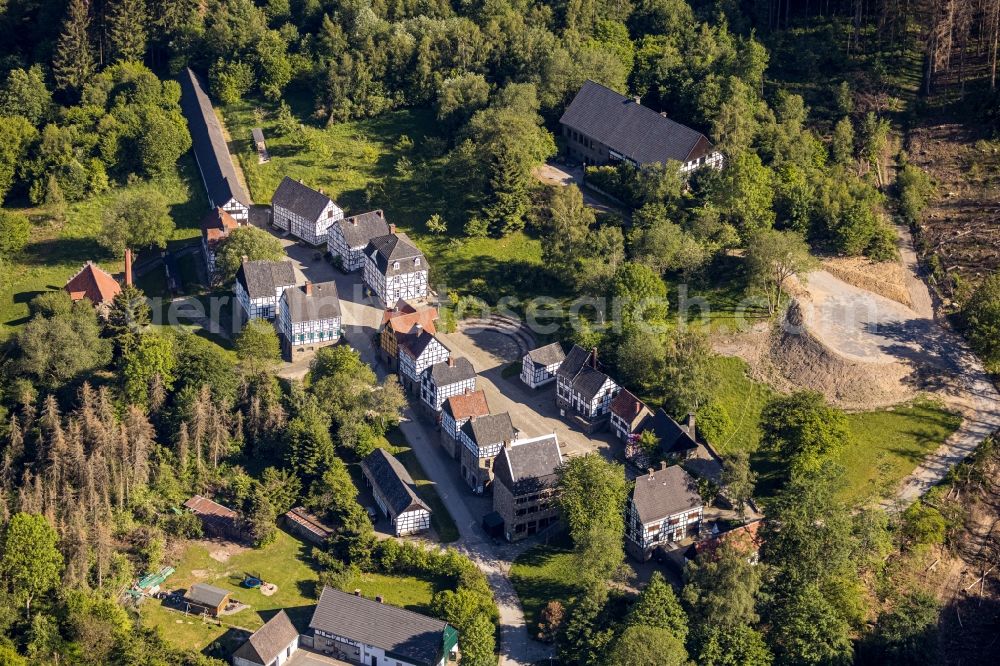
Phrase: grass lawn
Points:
(542, 574)
(894, 440)
(441, 519)
(405, 591)
(58, 249)
(718, 302)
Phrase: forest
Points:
(107, 424)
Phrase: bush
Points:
(982, 321)
(924, 525)
(915, 189)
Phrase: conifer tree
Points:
(73, 62)
(127, 30)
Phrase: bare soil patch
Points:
(887, 278)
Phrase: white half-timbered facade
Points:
(455, 411)
(455, 376)
(395, 269)
(309, 318)
(482, 439)
(302, 211)
(418, 350)
(538, 367)
(583, 389)
(628, 415)
(665, 507)
(348, 237)
(259, 285)
(395, 493)
(271, 645)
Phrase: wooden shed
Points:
(203, 598)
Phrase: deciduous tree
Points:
(250, 242)
(30, 563)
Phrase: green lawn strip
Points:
(441, 519)
(542, 574)
(405, 591)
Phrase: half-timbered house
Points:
(210, 149)
(629, 415)
(665, 507)
(443, 380)
(584, 391)
(308, 318)
(303, 212)
(395, 269)
(271, 645)
(525, 490)
(259, 285)
(538, 367)
(349, 236)
(395, 493)
(215, 226)
(482, 439)
(397, 322)
(418, 350)
(455, 412)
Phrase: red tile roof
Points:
(468, 405)
(626, 406)
(405, 317)
(94, 284)
(745, 538)
(206, 507)
(216, 225)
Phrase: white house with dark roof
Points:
(582, 389)
(210, 149)
(349, 236)
(271, 645)
(455, 411)
(302, 211)
(395, 268)
(418, 350)
(259, 285)
(602, 126)
(445, 379)
(395, 493)
(538, 367)
(628, 416)
(665, 507)
(482, 439)
(308, 318)
(365, 631)
(525, 486)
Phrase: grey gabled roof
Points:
(673, 437)
(627, 127)
(529, 465)
(444, 374)
(394, 482)
(265, 644)
(258, 135)
(403, 634)
(588, 382)
(547, 355)
(578, 370)
(490, 429)
(322, 303)
(208, 143)
(390, 248)
(575, 360)
(663, 493)
(358, 230)
(300, 199)
(260, 279)
(417, 341)
(206, 595)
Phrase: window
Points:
(416, 261)
(395, 265)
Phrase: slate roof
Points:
(417, 341)
(467, 405)
(393, 481)
(216, 225)
(206, 595)
(673, 437)
(629, 408)
(573, 363)
(208, 143)
(627, 127)
(529, 465)
(444, 374)
(403, 634)
(490, 429)
(265, 644)
(300, 199)
(390, 248)
(547, 355)
(260, 279)
(578, 370)
(322, 303)
(257, 134)
(93, 283)
(588, 382)
(359, 229)
(663, 493)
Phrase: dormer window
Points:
(395, 265)
(416, 261)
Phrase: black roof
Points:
(392, 479)
(299, 198)
(578, 370)
(390, 248)
(403, 634)
(261, 278)
(627, 127)
(359, 229)
(575, 360)
(673, 437)
(265, 644)
(206, 595)
(529, 465)
(547, 355)
(444, 374)
(490, 429)
(663, 493)
(322, 303)
(257, 134)
(418, 340)
(208, 143)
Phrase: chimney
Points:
(128, 267)
(690, 426)
(354, 221)
(379, 213)
(321, 191)
(663, 113)
(637, 99)
(650, 471)
(301, 181)
(392, 228)
(309, 288)
(593, 358)
(663, 465)
(357, 592)
(379, 598)
(244, 259)
(419, 327)
(451, 361)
